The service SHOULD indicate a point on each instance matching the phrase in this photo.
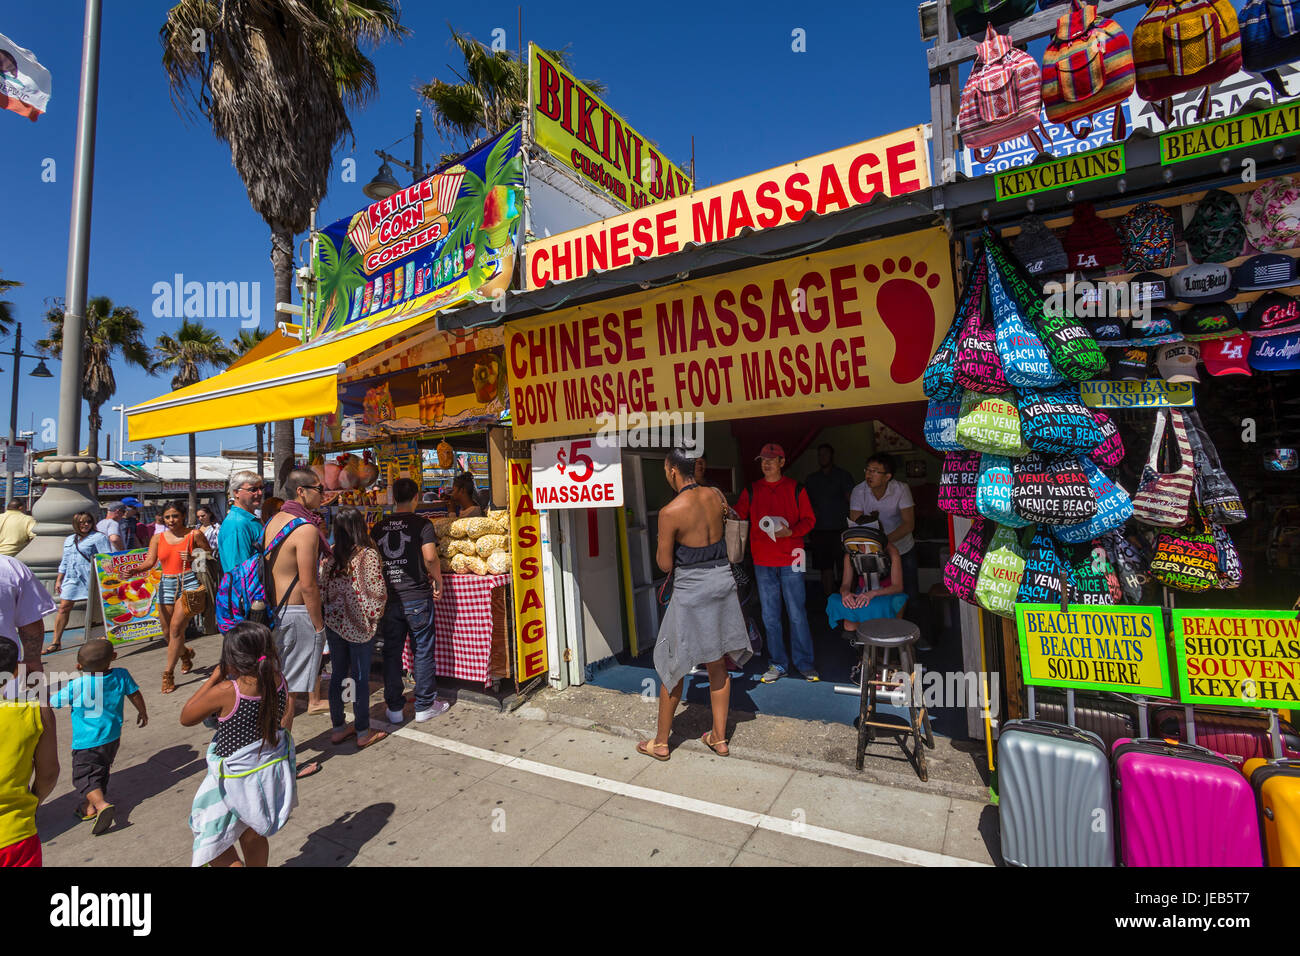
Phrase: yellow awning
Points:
(284, 337)
(293, 383)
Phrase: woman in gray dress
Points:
(703, 623)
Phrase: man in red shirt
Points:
(779, 561)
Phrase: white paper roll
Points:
(771, 524)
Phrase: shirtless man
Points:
(300, 627)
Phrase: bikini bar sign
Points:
(1238, 658)
(1120, 649)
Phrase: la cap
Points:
(1227, 356)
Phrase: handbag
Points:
(1214, 489)
(1114, 507)
(1110, 451)
(958, 482)
(938, 382)
(977, 365)
(735, 531)
(1186, 558)
(961, 573)
(1163, 500)
(1025, 361)
(1128, 565)
(1092, 580)
(990, 424)
(993, 492)
(1230, 571)
(1051, 490)
(1057, 422)
(1074, 352)
(1002, 571)
(195, 599)
(1043, 571)
(941, 425)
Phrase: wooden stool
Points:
(878, 637)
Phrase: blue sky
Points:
(167, 199)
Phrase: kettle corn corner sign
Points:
(1119, 649)
(853, 326)
(1238, 658)
(576, 127)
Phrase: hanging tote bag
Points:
(993, 492)
(1230, 572)
(1270, 37)
(941, 426)
(1092, 579)
(1056, 422)
(991, 424)
(1043, 571)
(1002, 98)
(1074, 352)
(977, 365)
(1163, 500)
(1128, 566)
(1214, 489)
(938, 381)
(961, 573)
(1051, 490)
(1025, 361)
(1114, 507)
(1186, 558)
(957, 483)
(1003, 571)
(1110, 453)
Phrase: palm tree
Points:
(275, 78)
(6, 308)
(194, 346)
(490, 97)
(239, 347)
(111, 331)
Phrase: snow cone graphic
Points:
(499, 214)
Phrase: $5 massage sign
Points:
(853, 326)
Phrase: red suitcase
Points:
(1239, 737)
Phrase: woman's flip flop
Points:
(641, 748)
(714, 745)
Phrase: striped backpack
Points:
(1002, 99)
(1182, 45)
(1088, 67)
(1270, 37)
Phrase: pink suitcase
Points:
(1182, 805)
(1237, 737)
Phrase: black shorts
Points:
(90, 767)
(825, 550)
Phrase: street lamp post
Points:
(121, 419)
(385, 184)
(39, 372)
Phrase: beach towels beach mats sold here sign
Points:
(1118, 649)
(1238, 658)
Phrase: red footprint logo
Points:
(908, 312)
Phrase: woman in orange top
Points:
(171, 551)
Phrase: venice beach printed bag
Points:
(1113, 508)
(1182, 45)
(1128, 566)
(961, 573)
(991, 424)
(1163, 500)
(1230, 572)
(1002, 571)
(939, 381)
(1051, 489)
(1110, 453)
(941, 426)
(1214, 489)
(977, 365)
(1092, 580)
(1025, 362)
(1043, 571)
(1087, 68)
(993, 492)
(1074, 351)
(1055, 421)
(1186, 559)
(1270, 37)
(1002, 98)
(957, 483)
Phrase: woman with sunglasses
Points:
(172, 550)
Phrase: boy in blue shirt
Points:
(97, 700)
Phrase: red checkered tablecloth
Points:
(462, 620)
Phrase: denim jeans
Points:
(775, 584)
(348, 660)
(910, 586)
(414, 616)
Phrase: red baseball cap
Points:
(772, 450)
(1227, 356)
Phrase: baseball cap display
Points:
(1158, 328)
(1090, 242)
(1204, 322)
(1270, 270)
(1177, 362)
(1273, 215)
(1272, 314)
(1109, 333)
(1277, 353)
(131, 502)
(1217, 231)
(1148, 237)
(1132, 365)
(1150, 288)
(1038, 249)
(1204, 283)
(771, 450)
(1227, 356)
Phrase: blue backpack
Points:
(1270, 37)
(246, 583)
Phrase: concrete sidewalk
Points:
(475, 787)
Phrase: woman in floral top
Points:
(353, 593)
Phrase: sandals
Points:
(52, 649)
(649, 751)
(187, 660)
(714, 745)
(83, 817)
(309, 770)
(342, 734)
(168, 682)
(371, 737)
(103, 820)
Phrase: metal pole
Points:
(419, 148)
(13, 411)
